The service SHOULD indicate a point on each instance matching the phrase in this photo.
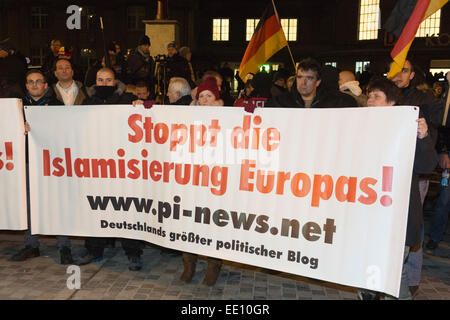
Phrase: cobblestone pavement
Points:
(44, 278)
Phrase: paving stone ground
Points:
(43, 278)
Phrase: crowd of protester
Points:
(172, 79)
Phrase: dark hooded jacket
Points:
(327, 94)
(431, 107)
(49, 99)
(118, 96)
(324, 98)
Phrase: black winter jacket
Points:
(118, 97)
(325, 98)
(425, 160)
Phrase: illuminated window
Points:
(360, 66)
(221, 29)
(430, 25)
(333, 64)
(369, 19)
(290, 29)
(251, 26)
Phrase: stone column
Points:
(161, 32)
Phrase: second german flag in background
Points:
(422, 10)
(267, 40)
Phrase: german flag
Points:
(422, 10)
(267, 40)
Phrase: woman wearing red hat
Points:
(207, 95)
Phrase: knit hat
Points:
(210, 84)
(172, 44)
(144, 40)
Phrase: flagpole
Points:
(292, 58)
(289, 48)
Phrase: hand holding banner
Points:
(306, 191)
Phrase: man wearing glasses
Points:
(38, 94)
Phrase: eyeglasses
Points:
(38, 82)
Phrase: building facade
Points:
(345, 33)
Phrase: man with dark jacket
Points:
(109, 91)
(179, 92)
(39, 94)
(38, 91)
(428, 104)
(176, 65)
(441, 209)
(311, 92)
(407, 81)
(140, 65)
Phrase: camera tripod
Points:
(161, 82)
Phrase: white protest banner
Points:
(322, 193)
(13, 197)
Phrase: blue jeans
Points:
(414, 264)
(440, 215)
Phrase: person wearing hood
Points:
(315, 89)
(349, 85)
(110, 91)
(279, 85)
(140, 65)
